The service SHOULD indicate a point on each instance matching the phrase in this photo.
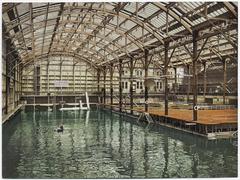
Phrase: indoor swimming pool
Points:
(102, 144)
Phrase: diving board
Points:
(81, 107)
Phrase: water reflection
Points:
(97, 144)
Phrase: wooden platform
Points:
(205, 117)
(212, 124)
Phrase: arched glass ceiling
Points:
(105, 32)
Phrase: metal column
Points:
(195, 35)
(131, 85)
(166, 45)
(120, 85)
(146, 76)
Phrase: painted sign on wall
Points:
(61, 83)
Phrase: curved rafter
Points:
(55, 54)
(61, 25)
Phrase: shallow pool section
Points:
(101, 144)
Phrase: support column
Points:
(104, 85)
(224, 80)
(166, 45)
(204, 80)
(195, 35)
(14, 84)
(146, 77)
(189, 83)
(48, 77)
(74, 79)
(7, 83)
(120, 85)
(21, 78)
(131, 85)
(61, 76)
(98, 80)
(175, 82)
(98, 86)
(111, 85)
(86, 73)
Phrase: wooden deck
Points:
(205, 117)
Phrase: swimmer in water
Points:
(60, 129)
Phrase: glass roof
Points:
(106, 32)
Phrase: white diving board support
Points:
(80, 105)
(87, 118)
(87, 100)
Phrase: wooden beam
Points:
(204, 80)
(224, 80)
(56, 26)
(166, 46)
(231, 8)
(120, 85)
(202, 48)
(104, 85)
(184, 22)
(111, 84)
(195, 35)
(146, 53)
(189, 83)
(131, 84)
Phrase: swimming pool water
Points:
(101, 144)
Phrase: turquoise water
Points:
(102, 144)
